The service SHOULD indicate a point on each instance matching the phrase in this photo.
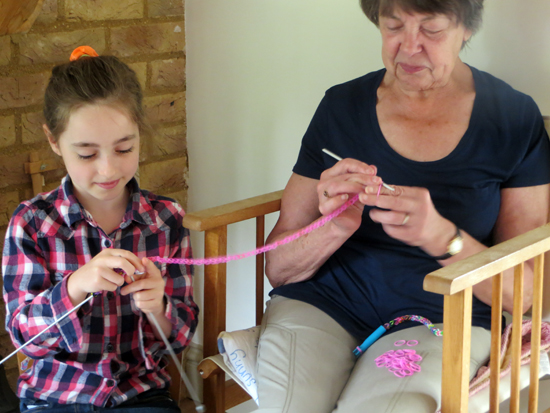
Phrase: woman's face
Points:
(421, 50)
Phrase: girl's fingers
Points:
(130, 257)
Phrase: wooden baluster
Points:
(215, 244)
(517, 322)
(260, 262)
(496, 340)
(457, 332)
(536, 320)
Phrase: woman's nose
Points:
(410, 44)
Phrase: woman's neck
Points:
(460, 82)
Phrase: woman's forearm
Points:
(299, 260)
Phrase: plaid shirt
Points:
(105, 353)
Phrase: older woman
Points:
(467, 160)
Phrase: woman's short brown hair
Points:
(467, 12)
(92, 80)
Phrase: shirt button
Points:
(110, 383)
(109, 348)
(110, 295)
(106, 243)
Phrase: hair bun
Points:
(83, 51)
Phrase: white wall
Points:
(256, 70)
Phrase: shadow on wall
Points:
(514, 44)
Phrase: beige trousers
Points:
(305, 365)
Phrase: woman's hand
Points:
(99, 273)
(409, 215)
(147, 289)
(306, 200)
(341, 182)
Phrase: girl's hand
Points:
(341, 182)
(99, 273)
(409, 215)
(148, 289)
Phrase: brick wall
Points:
(149, 35)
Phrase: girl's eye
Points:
(84, 157)
(123, 151)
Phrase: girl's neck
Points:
(107, 214)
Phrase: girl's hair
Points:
(92, 80)
(466, 12)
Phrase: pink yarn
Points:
(223, 259)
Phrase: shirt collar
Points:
(139, 208)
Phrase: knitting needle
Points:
(56, 322)
(198, 406)
(338, 158)
(50, 326)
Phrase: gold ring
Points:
(325, 194)
(406, 219)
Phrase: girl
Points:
(63, 245)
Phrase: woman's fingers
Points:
(350, 166)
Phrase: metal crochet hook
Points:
(339, 158)
(199, 407)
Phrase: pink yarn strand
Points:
(223, 259)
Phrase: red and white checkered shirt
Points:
(105, 353)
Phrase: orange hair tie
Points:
(83, 51)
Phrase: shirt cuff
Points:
(70, 327)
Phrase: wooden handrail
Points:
(44, 165)
(479, 267)
(233, 212)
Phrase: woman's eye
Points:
(432, 32)
(85, 156)
(123, 151)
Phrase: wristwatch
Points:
(453, 247)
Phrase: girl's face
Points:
(421, 50)
(100, 149)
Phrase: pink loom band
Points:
(399, 374)
(399, 343)
(415, 357)
(412, 343)
(414, 367)
(378, 193)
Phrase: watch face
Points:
(455, 246)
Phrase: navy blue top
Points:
(373, 278)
